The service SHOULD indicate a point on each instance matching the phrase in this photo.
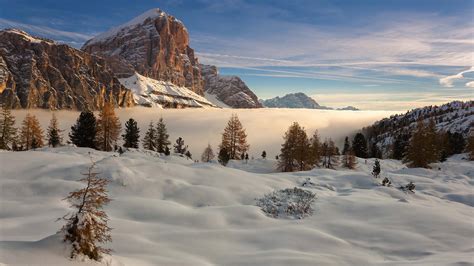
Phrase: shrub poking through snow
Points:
(290, 202)
(87, 227)
(386, 182)
(409, 187)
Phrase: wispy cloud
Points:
(449, 80)
(74, 38)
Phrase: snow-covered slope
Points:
(172, 211)
(151, 92)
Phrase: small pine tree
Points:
(179, 146)
(31, 131)
(149, 139)
(132, 134)
(108, 127)
(208, 154)
(234, 138)
(246, 157)
(87, 226)
(359, 146)
(167, 151)
(347, 146)
(54, 133)
(376, 169)
(470, 146)
(7, 129)
(264, 154)
(161, 141)
(83, 133)
(223, 156)
(188, 155)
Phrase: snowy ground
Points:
(171, 211)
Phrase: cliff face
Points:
(230, 90)
(38, 73)
(155, 45)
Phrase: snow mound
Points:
(168, 210)
(155, 93)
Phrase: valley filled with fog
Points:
(198, 127)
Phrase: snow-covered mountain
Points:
(456, 116)
(293, 100)
(167, 210)
(153, 93)
(229, 90)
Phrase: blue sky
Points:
(371, 54)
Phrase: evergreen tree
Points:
(234, 138)
(246, 157)
(208, 154)
(315, 150)
(470, 146)
(359, 145)
(149, 139)
(84, 131)
(7, 129)
(87, 226)
(295, 152)
(167, 151)
(31, 133)
(223, 156)
(375, 152)
(108, 127)
(188, 155)
(264, 154)
(399, 146)
(161, 142)
(347, 146)
(179, 146)
(132, 134)
(54, 133)
(456, 143)
(376, 169)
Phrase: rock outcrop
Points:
(39, 73)
(155, 45)
(230, 90)
(293, 100)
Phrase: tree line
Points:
(299, 152)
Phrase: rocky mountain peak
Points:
(155, 45)
(39, 73)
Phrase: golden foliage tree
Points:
(234, 138)
(349, 159)
(7, 129)
(315, 149)
(295, 151)
(329, 154)
(108, 127)
(422, 149)
(87, 226)
(31, 134)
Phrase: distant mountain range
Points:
(298, 100)
(152, 49)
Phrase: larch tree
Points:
(132, 134)
(149, 138)
(108, 127)
(161, 141)
(86, 228)
(234, 138)
(359, 146)
(349, 159)
(422, 149)
(208, 154)
(295, 151)
(84, 132)
(7, 129)
(315, 150)
(54, 133)
(329, 154)
(31, 134)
